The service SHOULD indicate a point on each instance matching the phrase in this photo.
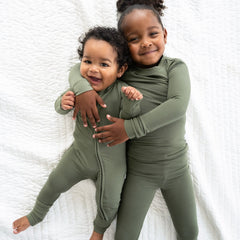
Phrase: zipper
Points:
(101, 180)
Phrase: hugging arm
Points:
(86, 98)
(171, 110)
(130, 107)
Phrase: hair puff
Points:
(158, 5)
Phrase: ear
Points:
(165, 35)
(122, 70)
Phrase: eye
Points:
(104, 65)
(153, 34)
(133, 39)
(87, 61)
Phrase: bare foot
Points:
(96, 236)
(20, 225)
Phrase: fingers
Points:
(105, 140)
(69, 93)
(69, 97)
(67, 102)
(75, 113)
(110, 118)
(132, 93)
(86, 104)
(83, 116)
(100, 101)
(137, 95)
(94, 111)
(102, 139)
(113, 143)
(20, 225)
(87, 114)
(103, 131)
(100, 135)
(90, 117)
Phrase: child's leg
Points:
(60, 180)
(180, 200)
(136, 199)
(108, 193)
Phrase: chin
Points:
(97, 89)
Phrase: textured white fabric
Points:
(38, 46)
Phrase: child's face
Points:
(145, 36)
(99, 64)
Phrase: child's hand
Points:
(132, 93)
(112, 134)
(86, 104)
(67, 102)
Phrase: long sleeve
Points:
(129, 108)
(58, 107)
(77, 83)
(170, 110)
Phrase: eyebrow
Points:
(153, 27)
(102, 59)
(150, 28)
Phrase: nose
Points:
(146, 43)
(93, 69)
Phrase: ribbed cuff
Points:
(135, 127)
(128, 128)
(38, 213)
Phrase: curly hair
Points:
(127, 6)
(113, 37)
(122, 5)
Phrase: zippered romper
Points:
(88, 159)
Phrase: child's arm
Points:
(171, 110)
(130, 108)
(65, 102)
(86, 97)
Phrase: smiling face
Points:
(145, 36)
(99, 64)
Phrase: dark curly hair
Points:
(122, 5)
(127, 6)
(113, 37)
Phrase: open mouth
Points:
(94, 80)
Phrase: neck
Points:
(148, 66)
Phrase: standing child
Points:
(157, 150)
(104, 55)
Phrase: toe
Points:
(15, 231)
(15, 224)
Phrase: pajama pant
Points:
(138, 193)
(70, 171)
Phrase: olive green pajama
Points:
(138, 193)
(88, 159)
(157, 150)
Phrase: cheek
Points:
(133, 50)
(82, 70)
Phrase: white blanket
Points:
(37, 48)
